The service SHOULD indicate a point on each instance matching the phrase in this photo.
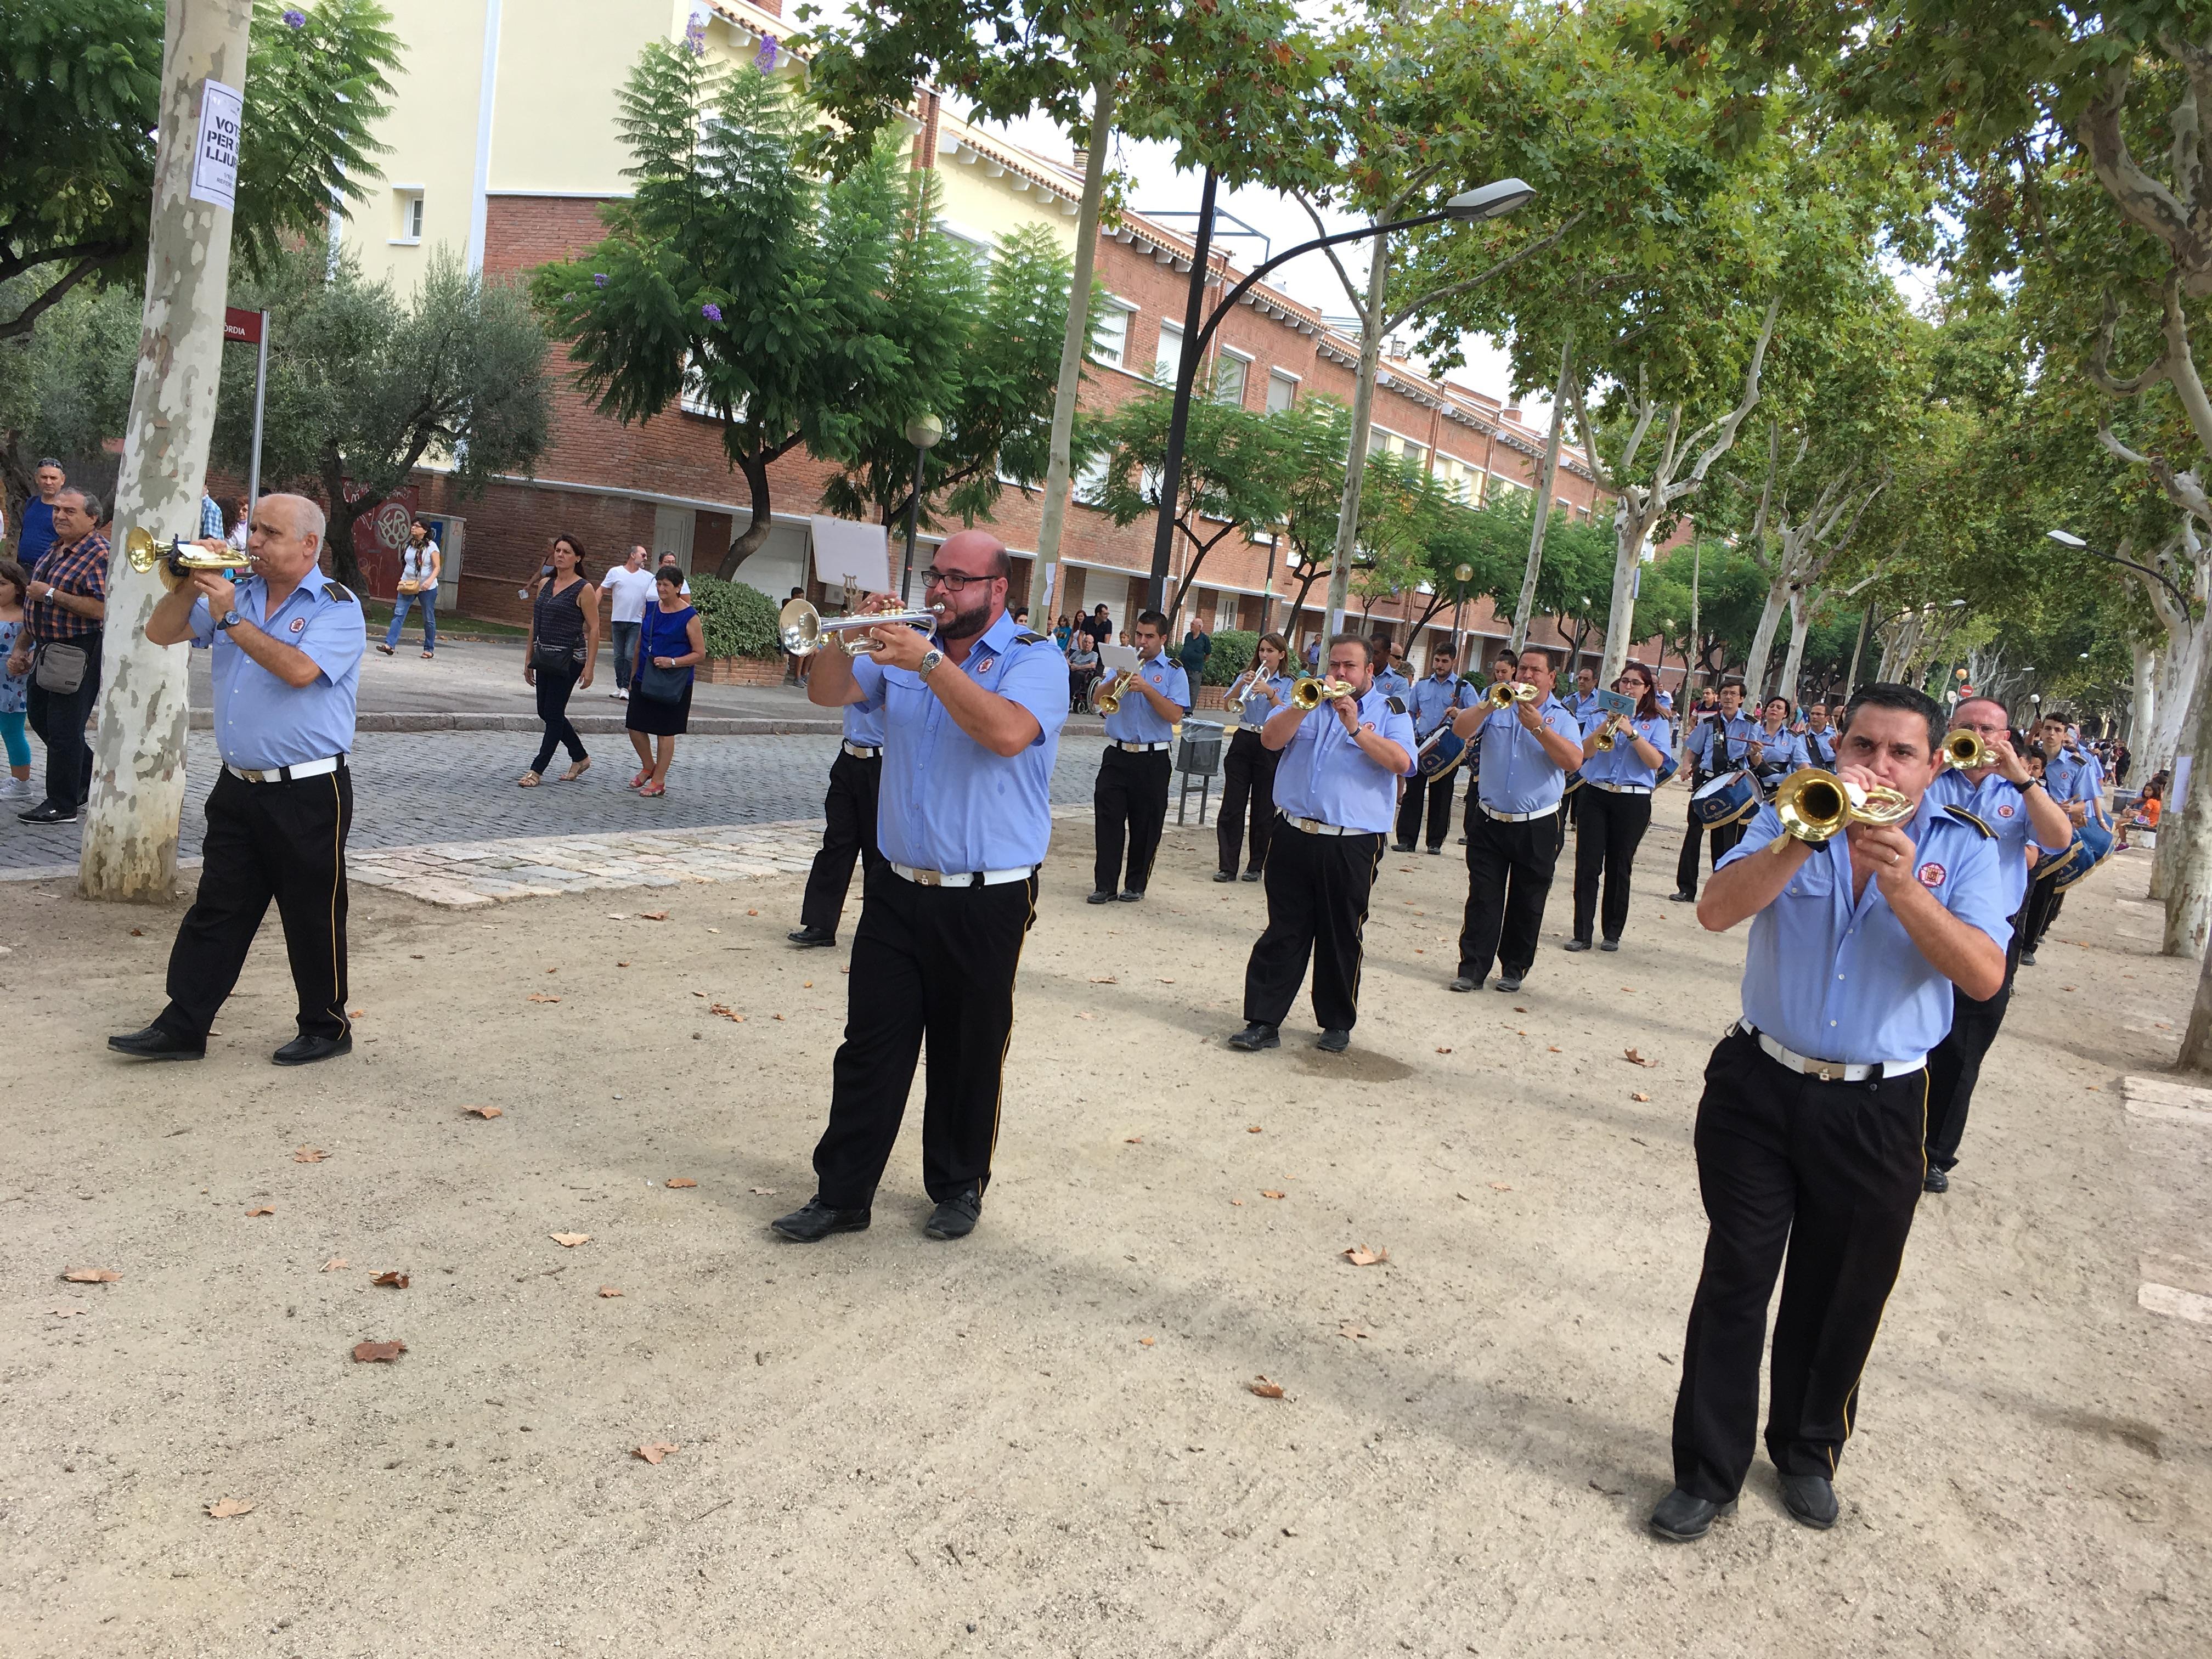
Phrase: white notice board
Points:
(215, 161)
(847, 551)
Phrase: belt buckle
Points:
(929, 878)
(252, 775)
(1826, 1071)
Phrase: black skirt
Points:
(657, 719)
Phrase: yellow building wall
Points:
(972, 198)
(432, 137)
(562, 66)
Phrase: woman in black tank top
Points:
(564, 647)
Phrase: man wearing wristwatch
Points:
(971, 720)
(2019, 812)
(286, 646)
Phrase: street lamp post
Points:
(1487, 201)
(922, 432)
(2065, 539)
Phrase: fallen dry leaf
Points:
(609, 1290)
(539, 996)
(653, 1451)
(701, 994)
(653, 915)
(764, 1192)
(1266, 1192)
(1238, 1202)
(309, 1155)
(779, 1016)
(224, 1508)
(1638, 1095)
(1086, 1017)
(91, 1275)
(714, 930)
(1349, 1329)
(1635, 1059)
(1443, 1051)
(1132, 1140)
(1105, 978)
(1501, 1187)
(334, 1264)
(262, 1210)
(552, 970)
(137, 932)
(1360, 1256)
(727, 1012)
(355, 1014)
(1265, 1389)
(569, 1240)
(1147, 1341)
(1166, 981)
(681, 1181)
(485, 1111)
(1518, 1009)
(752, 912)
(380, 1353)
(1251, 1128)
(806, 985)
(617, 915)
(396, 1281)
(622, 965)
(66, 1313)
(1555, 1048)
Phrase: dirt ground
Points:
(1040, 1441)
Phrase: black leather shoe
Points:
(1255, 1037)
(955, 1217)
(1099, 897)
(1225, 875)
(1936, 1180)
(1251, 875)
(156, 1043)
(1608, 945)
(304, 1051)
(1810, 1499)
(1401, 846)
(1464, 983)
(816, 1221)
(1130, 895)
(1510, 982)
(1686, 1519)
(1577, 945)
(1334, 1040)
(1681, 897)
(811, 935)
(1436, 852)
(48, 813)
(2027, 958)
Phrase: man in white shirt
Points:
(627, 589)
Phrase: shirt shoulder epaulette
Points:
(1965, 818)
(1027, 638)
(341, 592)
(1394, 706)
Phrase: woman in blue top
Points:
(1248, 773)
(671, 645)
(1777, 751)
(1616, 804)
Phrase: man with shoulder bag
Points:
(65, 610)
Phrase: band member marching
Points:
(1130, 795)
(1715, 745)
(1337, 785)
(1808, 1133)
(1775, 751)
(1434, 700)
(1529, 744)
(1819, 739)
(2076, 782)
(1620, 765)
(849, 827)
(2008, 799)
(1247, 773)
(971, 725)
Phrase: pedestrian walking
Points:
(14, 688)
(671, 643)
(564, 645)
(60, 645)
(420, 562)
(630, 589)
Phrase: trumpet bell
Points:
(178, 560)
(1814, 805)
(1308, 692)
(1965, 750)
(804, 631)
(1506, 693)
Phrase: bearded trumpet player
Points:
(1809, 1131)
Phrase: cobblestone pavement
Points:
(423, 789)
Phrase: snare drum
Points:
(2091, 846)
(1729, 799)
(1444, 749)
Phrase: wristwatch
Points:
(930, 659)
(230, 619)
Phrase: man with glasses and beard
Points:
(971, 725)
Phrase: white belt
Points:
(286, 774)
(1316, 827)
(1619, 789)
(963, 878)
(862, 751)
(1138, 748)
(1520, 817)
(1836, 1071)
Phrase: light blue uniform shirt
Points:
(1136, 721)
(1391, 683)
(1433, 700)
(260, 722)
(947, 803)
(1619, 764)
(1839, 981)
(865, 726)
(1324, 775)
(1253, 708)
(1820, 748)
(1517, 775)
(1584, 704)
(2074, 775)
(1784, 750)
(1999, 805)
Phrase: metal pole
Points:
(1179, 419)
(260, 398)
(913, 515)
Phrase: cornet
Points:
(1608, 734)
(1308, 692)
(1965, 750)
(805, 630)
(1506, 693)
(178, 560)
(1814, 805)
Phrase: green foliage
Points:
(79, 103)
(737, 620)
(65, 389)
(1233, 650)
(1730, 592)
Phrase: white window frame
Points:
(1115, 310)
(408, 198)
(1164, 367)
(1282, 377)
(1244, 360)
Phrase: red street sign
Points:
(244, 326)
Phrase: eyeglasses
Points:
(951, 581)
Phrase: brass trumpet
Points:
(1965, 750)
(1108, 697)
(1308, 692)
(179, 559)
(1608, 734)
(1814, 805)
(805, 630)
(1506, 693)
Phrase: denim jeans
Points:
(427, 599)
(625, 652)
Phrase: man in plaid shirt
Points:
(66, 611)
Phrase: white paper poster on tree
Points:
(215, 162)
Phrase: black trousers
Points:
(1247, 781)
(1509, 877)
(1436, 793)
(1131, 799)
(1685, 867)
(554, 688)
(284, 842)
(2044, 902)
(59, 718)
(1606, 835)
(1954, 1065)
(1823, 1174)
(850, 833)
(934, 964)
(1317, 890)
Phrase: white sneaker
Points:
(12, 787)
(623, 694)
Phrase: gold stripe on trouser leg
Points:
(337, 878)
(999, 1095)
(1359, 927)
(1852, 1393)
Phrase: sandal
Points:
(645, 776)
(577, 770)
(430, 656)
(386, 649)
(653, 789)
(529, 779)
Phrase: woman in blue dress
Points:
(671, 645)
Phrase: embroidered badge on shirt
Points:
(299, 624)
(2004, 812)
(984, 666)
(1931, 874)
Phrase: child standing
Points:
(14, 689)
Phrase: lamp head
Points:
(2065, 540)
(1488, 201)
(924, 430)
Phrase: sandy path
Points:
(1044, 1433)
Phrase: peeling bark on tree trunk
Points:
(2182, 868)
(138, 780)
(1546, 481)
(1363, 427)
(1060, 469)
